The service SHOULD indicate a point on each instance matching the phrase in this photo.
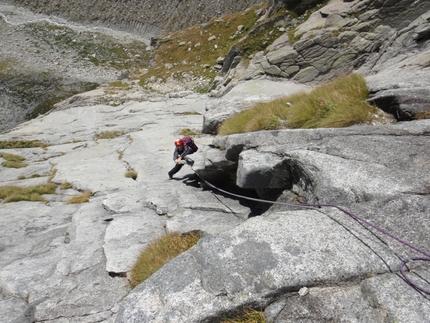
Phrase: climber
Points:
(183, 147)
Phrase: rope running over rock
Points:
(354, 216)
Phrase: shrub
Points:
(340, 103)
(159, 252)
(33, 193)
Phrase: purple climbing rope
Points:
(354, 216)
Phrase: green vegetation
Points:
(258, 40)
(13, 161)
(83, 198)
(131, 174)
(194, 50)
(108, 135)
(423, 115)
(251, 316)
(116, 86)
(159, 252)
(65, 186)
(340, 103)
(8, 68)
(95, 48)
(188, 132)
(188, 113)
(34, 193)
(11, 144)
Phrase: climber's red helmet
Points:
(178, 142)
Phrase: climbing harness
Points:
(354, 216)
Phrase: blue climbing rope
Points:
(354, 216)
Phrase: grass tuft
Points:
(83, 198)
(108, 135)
(34, 193)
(65, 186)
(251, 316)
(340, 103)
(11, 144)
(423, 115)
(131, 174)
(12, 161)
(188, 132)
(159, 252)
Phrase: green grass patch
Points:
(116, 86)
(159, 252)
(93, 47)
(258, 40)
(34, 193)
(423, 115)
(65, 186)
(192, 50)
(187, 132)
(188, 113)
(12, 161)
(108, 135)
(340, 103)
(83, 198)
(11, 144)
(250, 316)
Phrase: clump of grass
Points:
(188, 132)
(340, 103)
(423, 115)
(83, 198)
(53, 173)
(11, 144)
(108, 135)
(119, 84)
(65, 186)
(115, 86)
(188, 113)
(34, 193)
(292, 36)
(159, 252)
(13, 161)
(251, 316)
(131, 174)
(258, 40)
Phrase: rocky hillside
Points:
(387, 42)
(147, 17)
(316, 225)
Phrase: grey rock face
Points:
(143, 17)
(346, 36)
(69, 263)
(272, 257)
